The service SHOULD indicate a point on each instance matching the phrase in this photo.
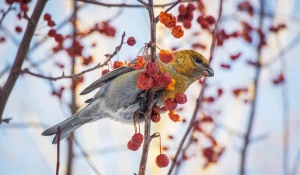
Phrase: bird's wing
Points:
(106, 78)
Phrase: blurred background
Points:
(215, 145)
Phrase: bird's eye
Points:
(198, 60)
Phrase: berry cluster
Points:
(106, 29)
(135, 142)
(186, 15)
(169, 21)
(23, 4)
(206, 21)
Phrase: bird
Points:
(119, 98)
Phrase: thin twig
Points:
(75, 76)
(5, 13)
(200, 97)
(21, 54)
(296, 162)
(58, 151)
(123, 5)
(73, 105)
(254, 101)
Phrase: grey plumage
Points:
(117, 99)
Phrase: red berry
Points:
(180, 18)
(152, 69)
(18, 29)
(2, 39)
(209, 99)
(182, 10)
(162, 161)
(59, 38)
(187, 24)
(181, 98)
(52, 32)
(144, 81)
(51, 23)
(20, 16)
(220, 92)
(164, 79)
(9, 2)
(189, 16)
(190, 8)
(138, 138)
(105, 71)
(47, 17)
(131, 146)
(24, 7)
(131, 41)
(155, 117)
(235, 56)
(170, 104)
(226, 66)
(210, 20)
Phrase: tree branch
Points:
(5, 13)
(254, 101)
(75, 76)
(21, 54)
(122, 5)
(147, 130)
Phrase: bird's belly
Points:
(126, 114)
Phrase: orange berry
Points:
(177, 31)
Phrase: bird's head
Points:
(192, 64)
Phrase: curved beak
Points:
(208, 72)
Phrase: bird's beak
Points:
(208, 72)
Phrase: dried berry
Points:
(105, 71)
(155, 117)
(164, 79)
(177, 31)
(144, 81)
(180, 98)
(170, 104)
(166, 56)
(152, 69)
(139, 63)
(118, 64)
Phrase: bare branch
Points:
(58, 150)
(122, 5)
(254, 101)
(148, 138)
(5, 13)
(21, 54)
(75, 76)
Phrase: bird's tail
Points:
(66, 127)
